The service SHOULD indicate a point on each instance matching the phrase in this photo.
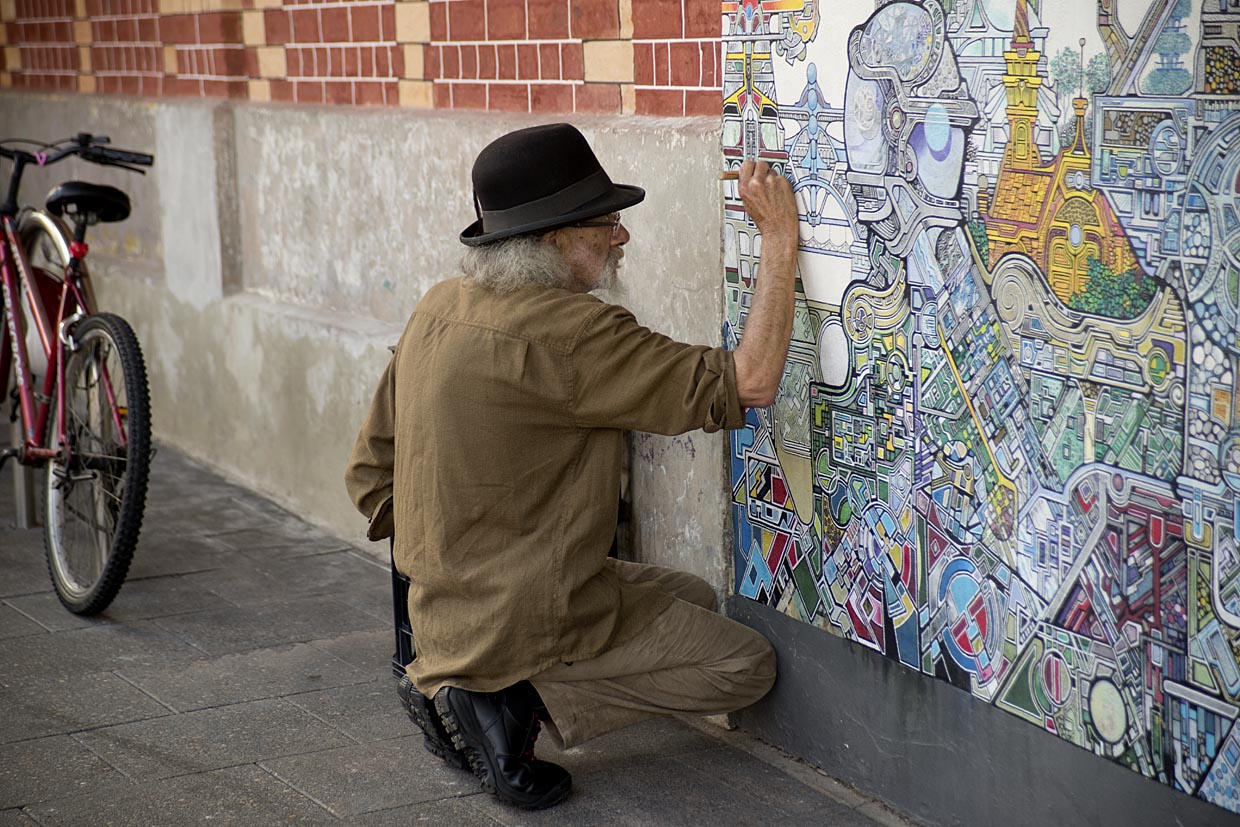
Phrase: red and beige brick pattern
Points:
(40, 51)
(328, 52)
(527, 55)
(677, 57)
(125, 46)
(654, 57)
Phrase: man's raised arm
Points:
(763, 348)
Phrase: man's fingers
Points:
(755, 176)
(768, 198)
(746, 173)
(762, 182)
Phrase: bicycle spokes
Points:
(90, 470)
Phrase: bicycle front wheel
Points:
(96, 486)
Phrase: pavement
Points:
(242, 677)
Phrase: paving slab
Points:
(210, 739)
(364, 712)
(643, 796)
(16, 624)
(766, 784)
(261, 579)
(379, 776)
(144, 598)
(43, 768)
(365, 649)
(96, 649)
(40, 708)
(16, 818)
(45, 611)
(216, 517)
(248, 676)
(243, 796)
(453, 811)
(241, 628)
(21, 558)
(270, 541)
(375, 599)
(178, 481)
(179, 553)
(658, 737)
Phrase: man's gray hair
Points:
(512, 263)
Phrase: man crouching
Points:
(493, 451)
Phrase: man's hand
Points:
(764, 347)
(769, 201)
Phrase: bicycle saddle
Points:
(96, 202)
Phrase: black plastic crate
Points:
(400, 614)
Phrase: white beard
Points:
(611, 270)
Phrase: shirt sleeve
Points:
(627, 376)
(368, 477)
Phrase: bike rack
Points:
(23, 484)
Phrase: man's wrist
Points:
(780, 240)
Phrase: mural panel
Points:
(1006, 449)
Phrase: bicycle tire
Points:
(113, 473)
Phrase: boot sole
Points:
(434, 745)
(481, 765)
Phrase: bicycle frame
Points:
(70, 296)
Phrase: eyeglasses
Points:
(605, 222)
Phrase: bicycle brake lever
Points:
(138, 170)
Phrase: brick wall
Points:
(42, 38)
(328, 52)
(122, 47)
(651, 57)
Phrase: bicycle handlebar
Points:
(140, 158)
(88, 147)
(116, 158)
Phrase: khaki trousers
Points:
(690, 660)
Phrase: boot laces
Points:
(528, 755)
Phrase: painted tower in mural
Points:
(751, 129)
(1051, 212)
(980, 32)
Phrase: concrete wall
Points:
(275, 252)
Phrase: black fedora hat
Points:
(538, 179)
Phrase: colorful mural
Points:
(1006, 449)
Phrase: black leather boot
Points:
(422, 712)
(496, 732)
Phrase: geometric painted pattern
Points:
(1006, 448)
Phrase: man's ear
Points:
(559, 239)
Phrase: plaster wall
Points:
(275, 252)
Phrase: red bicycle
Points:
(88, 421)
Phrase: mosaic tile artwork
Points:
(1006, 448)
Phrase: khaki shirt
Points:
(494, 446)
